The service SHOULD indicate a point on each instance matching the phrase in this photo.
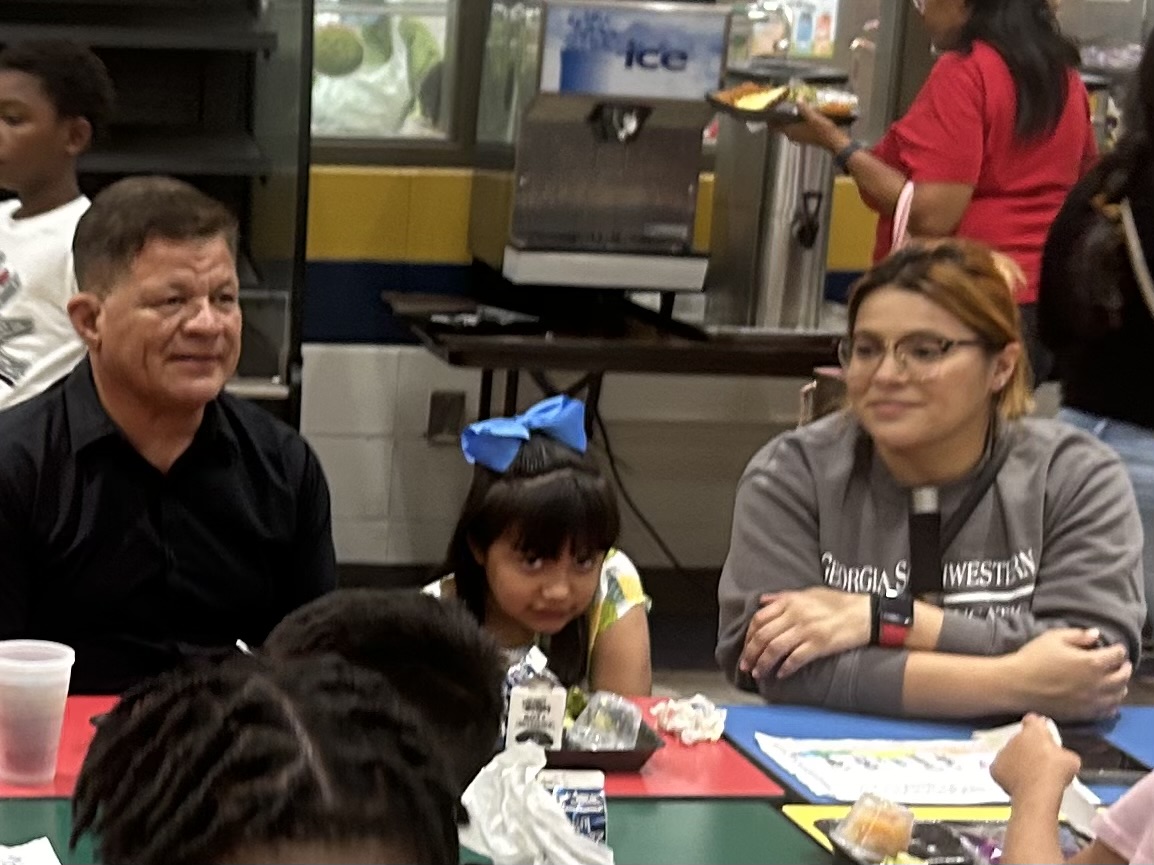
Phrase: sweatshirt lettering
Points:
(975, 582)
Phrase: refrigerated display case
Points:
(383, 69)
(843, 34)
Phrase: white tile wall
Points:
(429, 482)
(348, 390)
(423, 541)
(361, 542)
(359, 471)
(683, 478)
(419, 374)
(681, 444)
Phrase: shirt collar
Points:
(89, 422)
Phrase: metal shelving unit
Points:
(177, 32)
(184, 152)
(215, 92)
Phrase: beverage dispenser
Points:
(602, 107)
(771, 212)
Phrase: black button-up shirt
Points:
(137, 569)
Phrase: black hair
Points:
(1130, 159)
(434, 654)
(550, 499)
(1027, 36)
(243, 754)
(74, 79)
(1099, 266)
(125, 215)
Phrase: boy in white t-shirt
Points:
(55, 97)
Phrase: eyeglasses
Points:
(916, 354)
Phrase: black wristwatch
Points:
(892, 619)
(842, 157)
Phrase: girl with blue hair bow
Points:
(533, 554)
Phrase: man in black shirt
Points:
(146, 515)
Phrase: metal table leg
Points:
(512, 382)
(485, 398)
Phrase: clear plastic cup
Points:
(34, 676)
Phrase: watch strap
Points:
(892, 618)
(842, 157)
(893, 636)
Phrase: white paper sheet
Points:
(935, 772)
(38, 852)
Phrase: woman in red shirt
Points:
(994, 141)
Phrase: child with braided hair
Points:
(306, 761)
(435, 654)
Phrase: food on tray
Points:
(575, 703)
(836, 103)
(750, 96)
(875, 829)
(754, 98)
(609, 722)
(761, 99)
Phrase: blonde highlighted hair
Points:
(974, 284)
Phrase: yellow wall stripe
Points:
(421, 216)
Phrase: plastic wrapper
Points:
(874, 829)
(694, 720)
(514, 820)
(609, 723)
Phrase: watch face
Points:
(896, 617)
(896, 610)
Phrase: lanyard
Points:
(925, 542)
(929, 539)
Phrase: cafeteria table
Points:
(653, 817)
(705, 831)
(1132, 730)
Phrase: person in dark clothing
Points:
(1092, 312)
(145, 515)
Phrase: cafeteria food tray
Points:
(649, 742)
(954, 842)
(779, 105)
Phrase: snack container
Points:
(874, 830)
(609, 722)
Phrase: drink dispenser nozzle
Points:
(620, 123)
(807, 219)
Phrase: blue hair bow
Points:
(494, 443)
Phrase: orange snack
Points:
(875, 829)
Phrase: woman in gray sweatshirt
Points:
(1031, 602)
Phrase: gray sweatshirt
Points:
(1055, 542)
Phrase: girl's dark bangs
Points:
(561, 510)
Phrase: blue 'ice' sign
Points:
(634, 51)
